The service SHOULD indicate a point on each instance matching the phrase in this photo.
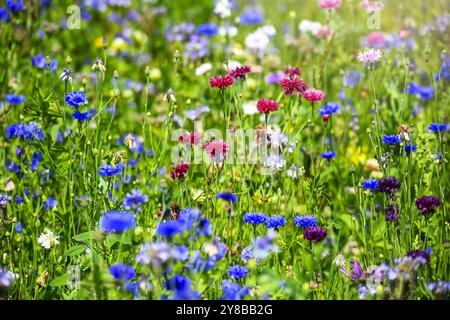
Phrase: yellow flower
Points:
(98, 43)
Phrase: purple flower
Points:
(356, 273)
(427, 205)
(392, 213)
(389, 185)
(419, 254)
(315, 234)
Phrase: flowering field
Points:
(224, 149)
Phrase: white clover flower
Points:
(48, 239)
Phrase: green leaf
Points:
(75, 250)
(121, 238)
(85, 236)
(60, 281)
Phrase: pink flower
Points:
(370, 55)
(314, 95)
(179, 171)
(240, 72)
(193, 138)
(266, 105)
(330, 4)
(216, 149)
(221, 82)
(292, 71)
(293, 86)
(371, 6)
(324, 32)
(376, 39)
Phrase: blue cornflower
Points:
(251, 15)
(237, 271)
(328, 155)
(134, 200)
(169, 229)
(29, 132)
(255, 218)
(208, 29)
(247, 254)
(352, 78)
(36, 158)
(233, 291)
(108, 170)
(305, 221)
(40, 62)
(371, 184)
(117, 222)
(410, 148)
(82, 116)
(15, 5)
(76, 98)
(4, 199)
(425, 93)
(19, 199)
(329, 108)
(275, 222)
(181, 286)
(14, 99)
(19, 227)
(437, 127)
(122, 272)
(50, 203)
(4, 15)
(392, 139)
(196, 48)
(231, 197)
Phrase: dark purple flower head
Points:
(427, 205)
(315, 234)
(389, 185)
(392, 213)
(419, 254)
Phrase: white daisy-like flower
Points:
(223, 8)
(370, 55)
(306, 26)
(202, 69)
(48, 239)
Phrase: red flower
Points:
(179, 171)
(293, 86)
(266, 105)
(314, 95)
(221, 82)
(240, 72)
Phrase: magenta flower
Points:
(314, 95)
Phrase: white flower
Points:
(309, 26)
(250, 108)
(257, 41)
(339, 261)
(202, 69)
(370, 55)
(232, 64)
(228, 31)
(223, 8)
(48, 239)
(270, 31)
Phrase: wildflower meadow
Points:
(224, 150)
